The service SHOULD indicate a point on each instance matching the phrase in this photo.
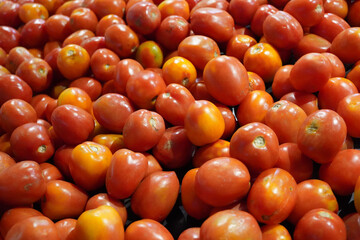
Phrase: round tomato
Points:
(147, 229)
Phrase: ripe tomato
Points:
(238, 44)
(226, 79)
(11, 86)
(149, 55)
(337, 7)
(158, 190)
(123, 71)
(73, 61)
(10, 38)
(179, 70)
(243, 11)
(58, 27)
(353, 18)
(316, 135)
(275, 232)
(311, 43)
(143, 17)
(349, 112)
(105, 7)
(279, 186)
(220, 148)
(321, 224)
(192, 233)
(174, 7)
(121, 39)
(5, 161)
(337, 65)
(76, 97)
(103, 62)
(256, 145)
(9, 14)
(90, 85)
(345, 45)
(65, 227)
(230, 224)
(147, 229)
(50, 172)
(106, 22)
(33, 34)
(352, 225)
(307, 101)
(83, 18)
(307, 12)
(203, 123)
(259, 17)
(126, 171)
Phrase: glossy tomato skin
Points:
(58, 27)
(337, 65)
(9, 14)
(308, 13)
(219, 148)
(83, 18)
(170, 7)
(158, 190)
(111, 111)
(238, 44)
(31, 141)
(352, 17)
(143, 17)
(347, 110)
(312, 194)
(65, 227)
(22, 184)
(199, 50)
(149, 55)
(34, 34)
(222, 181)
(192, 233)
(5, 161)
(202, 116)
(192, 204)
(259, 17)
(320, 223)
(50, 172)
(179, 70)
(102, 63)
(256, 145)
(278, 185)
(91, 44)
(281, 84)
(147, 229)
(121, 39)
(345, 45)
(90, 85)
(243, 11)
(113, 141)
(72, 124)
(232, 224)
(61, 159)
(215, 23)
(126, 170)
(282, 30)
(226, 80)
(315, 137)
(76, 97)
(11, 86)
(73, 200)
(10, 38)
(106, 22)
(123, 71)
(229, 119)
(307, 101)
(73, 61)
(143, 130)
(346, 165)
(105, 7)
(285, 118)
(275, 232)
(311, 43)
(39, 227)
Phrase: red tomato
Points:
(226, 80)
(143, 17)
(321, 224)
(307, 101)
(337, 7)
(230, 224)
(126, 171)
(58, 27)
(121, 39)
(220, 148)
(316, 135)
(33, 34)
(219, 4)
(222, 181)
(272, 196)
(353, 18)
(9, 39)
(102, 63)
(192, 233)
(149, 55)
(229, 119)
(352, 226)
(256, 145)
(281, 84)
(105, 7)
(243, 10)
(11, 86)
(90, 85)
(106, 22)
(65, 227)
(153, 164)
(311, 43)
(346, 45)
(307, 12)
(349, 112)
(337, 65)
(61, 159)
(147, 229)
(275, 232)
(9, 14)
(158, 190)
(73, 61)
(83, 18)
(5, 161)
(174, 7)
(259, 17)
(50, 172)
(238, 44)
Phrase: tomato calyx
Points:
(259, 142)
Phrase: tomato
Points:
(158, 190)
(50, 172)
(10, 38)
(65, 227)
(101, 222)
(51, 5)
(22, 184)
(149, 55)
(91, 44)
(143, 17)
(230, 224)
(243, 10)
(352, 18)
(143, 130)
(275, 232)
(352, 225)
(72, 124)
(256, 145)
(238, 44)
(259, 17)
(315, 137)
(11, 86)
(67, 8)
(104, 199)
(16, 112)
(337, 65)
(105, 7)
(88, 165)
(103, 63)
(38, 227)
(282, 30)
(63, 200)
(153, 164)
(307, 101)
(14, 215)
(337, 7)
(33, 34)
(30, 11)
(199, 50)
(203, 123)
(215, 23)
(179, 70)
(192, 233)
(264, 55)
(348, 111)
(174, 7)
(121, 39)
(106, 22)
(147, 229)
(5, 161)
(285, 118)
(9, 14)
(253, 107)
(172, 30)
(279, 186)
(16, 56)
(219, 4)
(345, 45)
(226, 80)
(308, 67)
(90, 85)
(320, 224)
(83, 18)
(222, 181)
(78, 37)
(307, 12)
(311, 43)
(330, 26)
(58, 27)
(229, 119)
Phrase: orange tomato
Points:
(73, 61)
(179, 70)
(75, 96)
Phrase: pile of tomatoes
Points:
(179, 119)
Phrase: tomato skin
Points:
(231, 224)
(50, 172)
(121, 39)
(126, 170)
(202, 116)
(345, 45)
(199, 50)
(222, 181)
(90, 85)
(9, 14)
(11, 86)
(21, 184)
(177, 7)
(143, 17)
(103, 62)
(105, 7)
(226, 80)
(282, 30)
(179, 70)
(5, 162)
(311, 43)
(72, 198)
(281, 84)
(256, 145)
(352, 225)
(321, 224)
(34, 34)
(147, 229)
(243, 11)
(275, 232)
(308, 13)
(278, 185)
(259, 17)
(106, 22)
(219, 4)
(229, 119)
(219, 148)
(238, 44)
(192, 233)
(143, 130)
(337, 7)
(317, 66)
(83, 18)
(65, 227)
(315, 137)
(307, 101)
(39, 227)
(172, 30)
(352, 18)
(337, 65)
(160, 190)
(312, 194)
(348, 111)
(10, 38)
